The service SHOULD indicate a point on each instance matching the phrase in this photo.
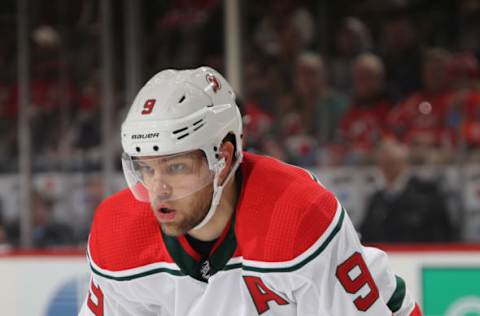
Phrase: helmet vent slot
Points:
(180, 130)
(188, 130)
(181, 99)
(183, 136)
(198, 127)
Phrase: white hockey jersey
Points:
(289, 249)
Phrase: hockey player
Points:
(207, 229)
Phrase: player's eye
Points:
(177, 168)
(145, 170)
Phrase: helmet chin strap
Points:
(218, 190)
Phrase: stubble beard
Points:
(192, 215)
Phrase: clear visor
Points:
(166, 178)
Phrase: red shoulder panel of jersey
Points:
(125, 234)
(282, 210)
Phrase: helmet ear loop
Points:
(217, 193)
(219, 164)
(218, 189)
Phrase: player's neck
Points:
(215, 226)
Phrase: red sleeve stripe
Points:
(416, 311)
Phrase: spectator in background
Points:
(364, 123)
(463, 110)
(259, 106)
(4, 244)
(83, 138)
(85, 201)
(352, 39)
(401, 53)
(8, 128)
(419, 120)
(291, 46)
(279, 14)
(406, 209)
(281, 36)
(320, 106)
(46, 231)
(258, 87)
(468, 19)
(52, 95)
(313, 120)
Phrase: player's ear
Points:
(226, 153)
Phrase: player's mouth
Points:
(165, 214)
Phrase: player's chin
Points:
(179, 227)
(172, 229)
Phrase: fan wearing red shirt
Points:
(420, 118)
(363, 125)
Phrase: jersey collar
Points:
(191, 263)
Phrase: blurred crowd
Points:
(333, 107)
(324, 84)
(388, 69)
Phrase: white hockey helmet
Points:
(181, 111)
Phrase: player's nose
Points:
(163, 190)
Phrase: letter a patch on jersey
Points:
(261, 294)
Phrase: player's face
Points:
(179, 189)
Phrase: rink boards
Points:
(444, 279)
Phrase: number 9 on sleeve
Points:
(353, 285)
